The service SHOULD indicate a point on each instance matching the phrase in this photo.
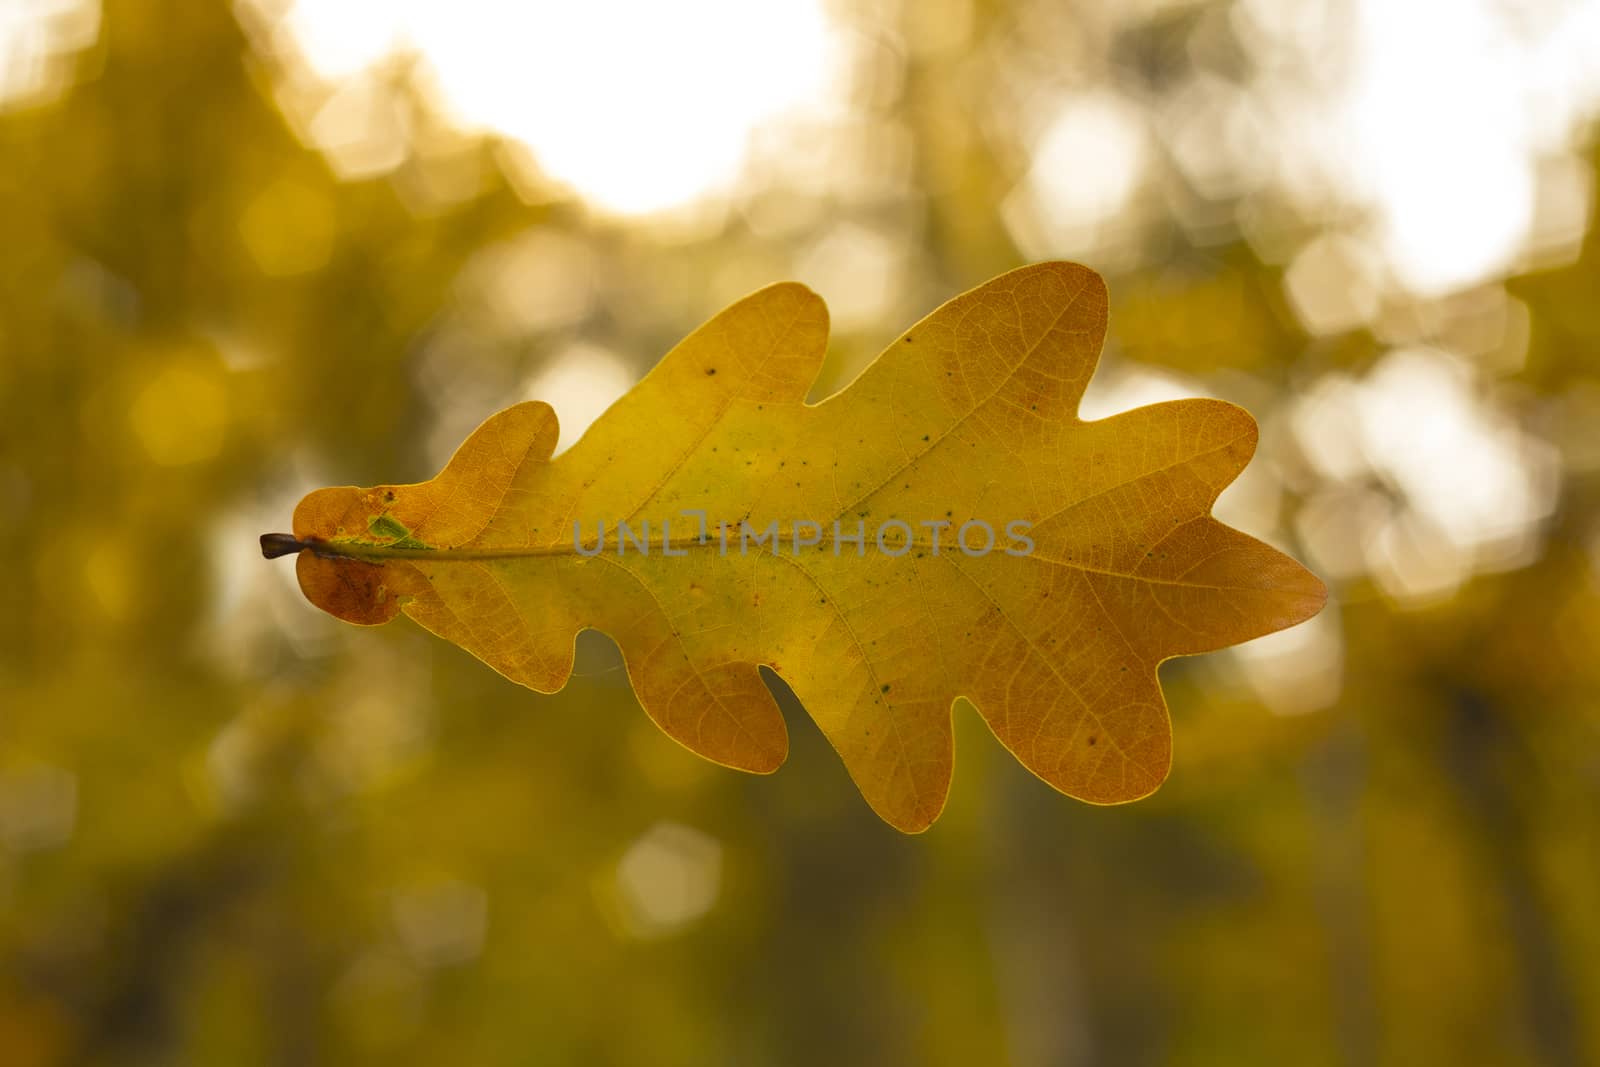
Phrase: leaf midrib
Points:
(381, 553)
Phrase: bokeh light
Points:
(640, 107)
(39, 40)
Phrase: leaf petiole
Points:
(274, 545)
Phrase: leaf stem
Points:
(274, 545)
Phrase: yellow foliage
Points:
(944, 528)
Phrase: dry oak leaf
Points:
(969, 419)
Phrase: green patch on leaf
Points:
(392, 528)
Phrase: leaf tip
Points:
(1316, 594)
(1305, 594)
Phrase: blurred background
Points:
(250, 250)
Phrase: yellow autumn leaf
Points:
(944, 527)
